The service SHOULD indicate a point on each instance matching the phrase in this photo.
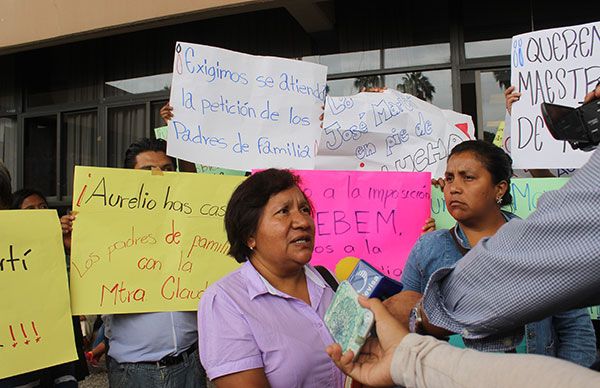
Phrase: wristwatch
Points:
(415, 319)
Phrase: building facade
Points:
(81, 80)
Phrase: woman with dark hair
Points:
(262, 325)
(477, 186)
(29, 199)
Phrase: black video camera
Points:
(579, 126)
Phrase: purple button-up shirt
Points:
(245, 323)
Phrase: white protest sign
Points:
(241, 112)
(525, 173)
(389, 131)
(557, 66)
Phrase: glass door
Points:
(40, 158)
(491, 106)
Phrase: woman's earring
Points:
(499, 200)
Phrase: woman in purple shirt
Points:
(262, 325)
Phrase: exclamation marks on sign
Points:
(37, 336)
(12, 335)
(25, 336)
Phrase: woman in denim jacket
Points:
(477, 182)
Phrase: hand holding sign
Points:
(511, 97)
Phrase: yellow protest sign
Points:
(36, 330)
(146, 242)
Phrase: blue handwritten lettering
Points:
(423, 127)
(337, 108)
(365, 151)
(337, 137)
(290, 83)
(212, 72)
(182, 132)
(396, 138)
(431, 153)
(267, 114)
(187, 99)
(230, 107)
(265, 81)
(298, 120)
(266, 147)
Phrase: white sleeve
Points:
(425, 362)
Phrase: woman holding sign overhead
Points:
(477, 183)
(262, 325)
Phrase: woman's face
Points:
(34, 202)
(469, 192)
(285, 236)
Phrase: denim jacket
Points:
(568, 335)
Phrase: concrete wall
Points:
(27, 22)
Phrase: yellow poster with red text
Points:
(36, 330)
(145, 241)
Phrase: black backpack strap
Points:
(328, 277)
